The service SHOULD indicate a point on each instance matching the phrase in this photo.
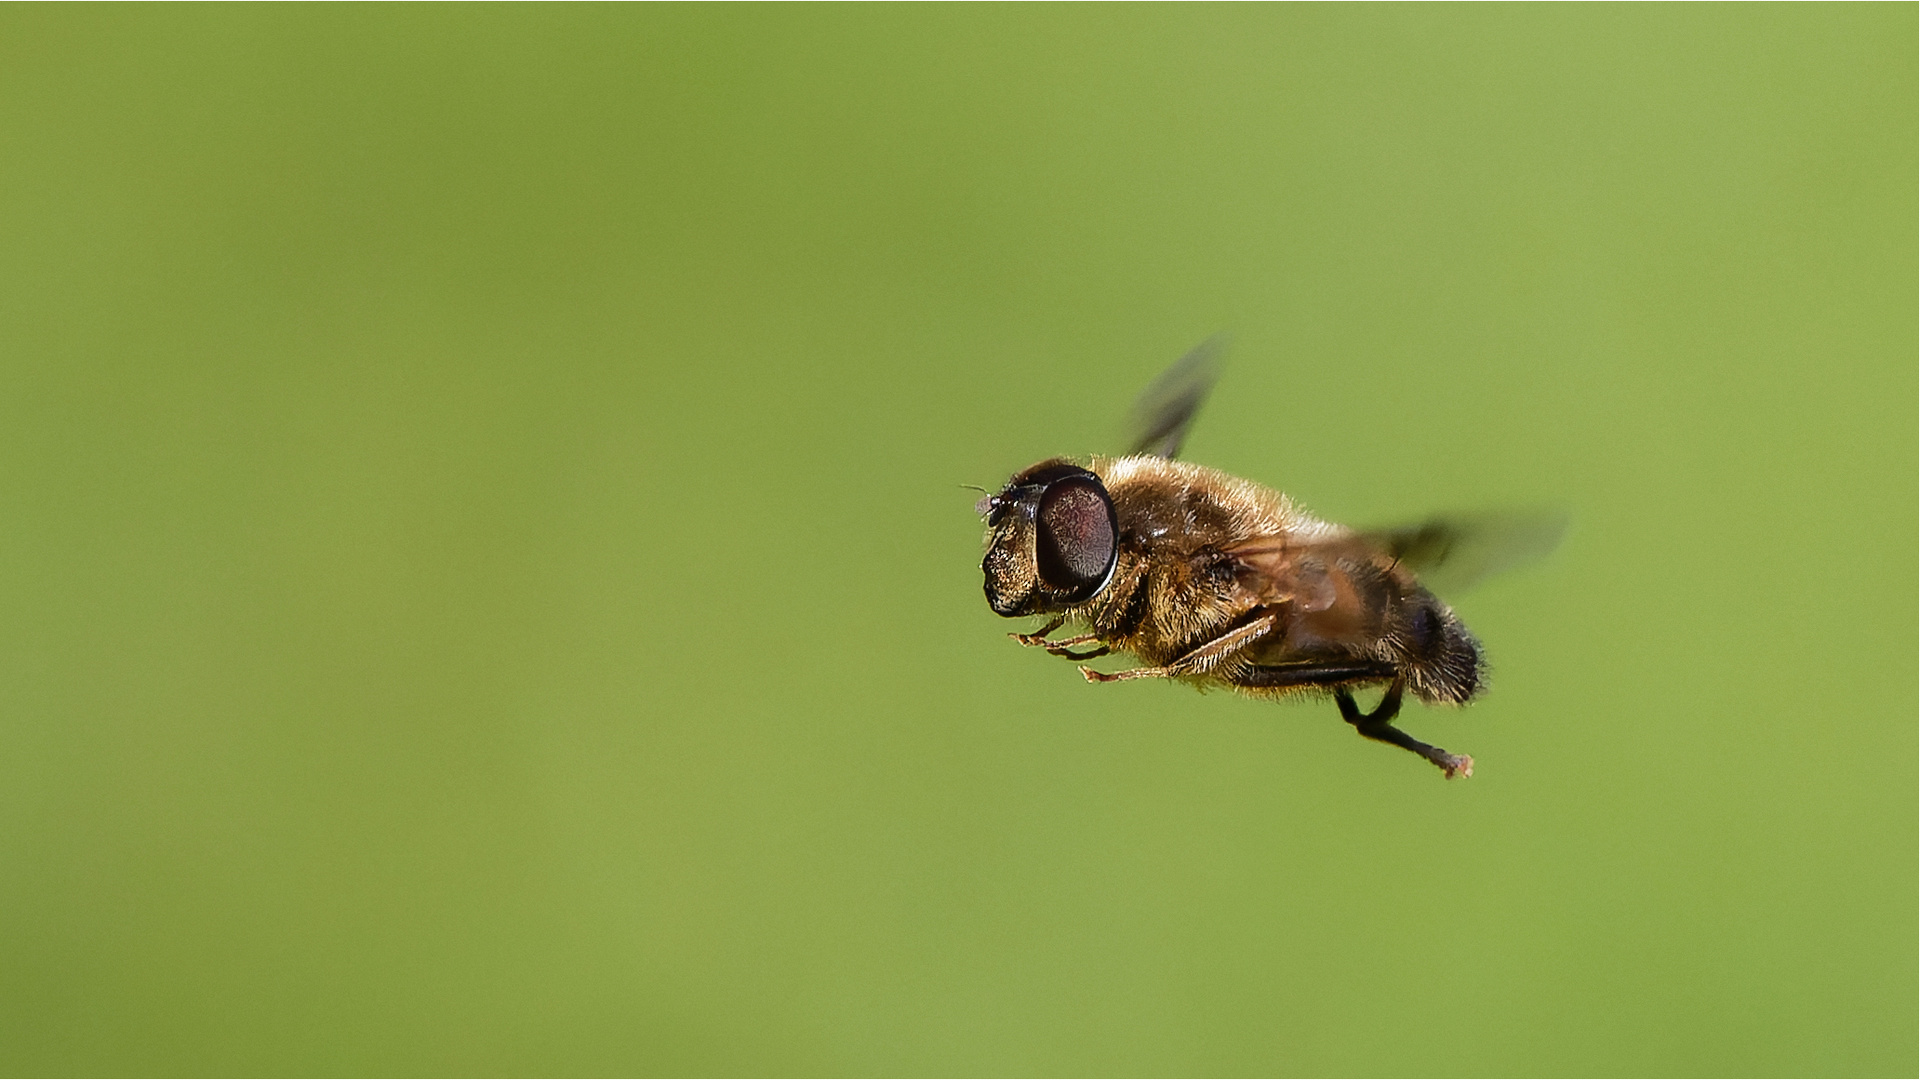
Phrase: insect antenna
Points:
(987, 501)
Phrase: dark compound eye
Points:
(1075, 546)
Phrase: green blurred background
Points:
(487, 589)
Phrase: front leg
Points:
(1039, 637)
(1061, 646)
(1060, 649)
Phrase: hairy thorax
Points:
(1175, 584)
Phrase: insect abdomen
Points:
(1443, 659)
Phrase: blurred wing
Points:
(1303, 575)
(1166, 409)
(1454, 553)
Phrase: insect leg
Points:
(1378, 725)
(1195, 661)
(1167, 672)
(1039, 637)
(1277, 676)
(1090, 654)
(1062, 646)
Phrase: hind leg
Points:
(1378, 725)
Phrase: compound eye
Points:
(1076, 542)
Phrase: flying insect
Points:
(1213, 580)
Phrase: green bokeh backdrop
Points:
(487, 589)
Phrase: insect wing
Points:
(1165, 411)
(1457, 552)
(1277, 572)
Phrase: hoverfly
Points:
(1215, 580)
